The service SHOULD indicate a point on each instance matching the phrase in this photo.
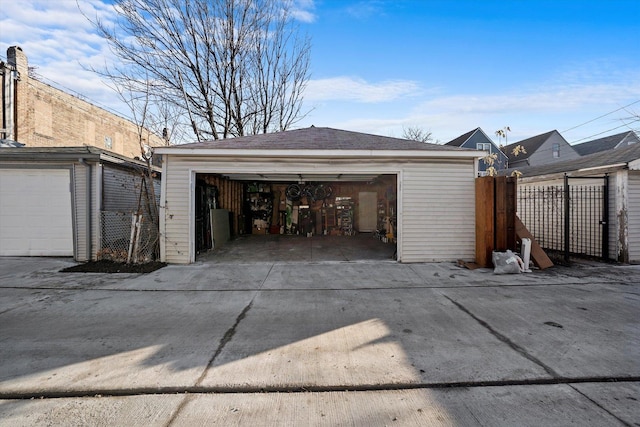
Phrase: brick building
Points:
(39, 115)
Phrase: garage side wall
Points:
(174, 211)
(81, 212)
(633, 217)
(438, 212)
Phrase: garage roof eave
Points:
(382, 154)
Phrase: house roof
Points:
(459, 141)
(318, 142)
(315, 138)
(612, 158)
(602, 144)
(530, 146)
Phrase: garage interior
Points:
(300, 207)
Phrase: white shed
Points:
(426, 190)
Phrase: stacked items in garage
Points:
(260, 207)
(344, 207)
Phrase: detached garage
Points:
(66, 201)
(319, 181)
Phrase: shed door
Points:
(35, 212)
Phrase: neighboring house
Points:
(478, 140)
(39, 115)
(611, 142)
(426, 191)
(616, 229)
(72, 201)
(542, 149)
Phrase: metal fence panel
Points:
(542, 210)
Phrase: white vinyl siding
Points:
(80, 192)
(634, 217)
(438, 212)
(176, 211)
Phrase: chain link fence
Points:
(118, 243)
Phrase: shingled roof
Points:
(315, 138)
(530, 146)
(590, 161)
(603, 144)
(457, 142)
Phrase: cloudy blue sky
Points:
(378, 66)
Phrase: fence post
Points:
(485, 196)
(605, 219)
(567, 219)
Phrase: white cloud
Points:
(559, 98)
(301, 10)
(528, 113)
(366, 9)
(359, 90)
(61, 44)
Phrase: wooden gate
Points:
(495, 216)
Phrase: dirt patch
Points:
(114, 267)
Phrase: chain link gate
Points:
(116, 237)
(569, 219)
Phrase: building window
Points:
(108, 143)
(556, 151)
(484, 146)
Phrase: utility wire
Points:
(597, 134)
(599, 117)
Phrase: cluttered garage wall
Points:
(321, 208)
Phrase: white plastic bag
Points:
(507, 263)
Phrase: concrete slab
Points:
(342, 275)
(292, 248)
(154, 410)
(12, 268)
(576, 330)
(361, 338)
(68, 340)
(400, 337)
(450, 275)
(34, 272)
(478, 406)
(199, 277)
(486, 406)
(622, 400)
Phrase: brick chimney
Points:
(17, 58)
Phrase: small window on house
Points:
(108, 143)
(484, 146)
(556, 151)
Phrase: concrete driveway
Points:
(319, 343)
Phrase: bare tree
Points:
(416, 133)
(503, 133)
(232, 67)
(147, 208)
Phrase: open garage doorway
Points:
(295, 217)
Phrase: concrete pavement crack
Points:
(623, 422)
(520, 350)
(223, 342)
(311, 388)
